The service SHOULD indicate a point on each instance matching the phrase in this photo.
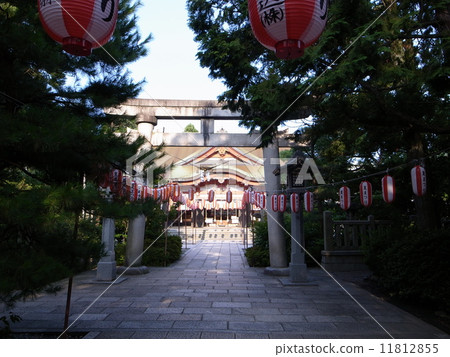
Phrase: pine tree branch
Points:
(28, 173)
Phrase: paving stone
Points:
(146, 324)
(256, 311)
(280, 318)
(309, 326)
(212, 310)
(183, 334)
(180, 317)
(217, 335)
(255, 326)
(231, 317)
(191, 304)
(232, 304)
(328, 318)
(124, 316)
(201, 325)
(115, 334)
(251, 335)
(149, 334)
(164, 310)
(95, 325)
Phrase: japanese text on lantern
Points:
(111, 11)
(271, 11)
(45, 2)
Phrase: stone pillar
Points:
(146, 130)
(277, 241)
(136, 226)
(106, 267)
(135, 241)
(297, 265)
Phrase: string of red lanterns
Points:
(122, 185)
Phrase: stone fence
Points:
(344, 241)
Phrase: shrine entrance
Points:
(213, 159)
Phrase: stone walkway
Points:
(212, 293)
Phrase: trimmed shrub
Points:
(156, 254)
(412, 266)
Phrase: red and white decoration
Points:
(245, 198)
(257, 198)
(211, 195)
(191, 194)
(388, 188)
(295, 202)
(365, 193)
(419, 180)
(344, 197)
(262, 201)
(79, 25)
(176, 191)
(229, 196)
(282, 202)
(308, 199)
(287, 26)
(274, 202)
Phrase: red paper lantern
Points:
(274, 201)
(133, 191)
(229, 196)
(308, 201)
(105, 181)
(295, 202)
(344, 197)
(419, 180)
(139, 192)
(257, 197)
(365, 193)
(79, 25)
(176, 191)
(211, 195)
(287, 26)
(144, 192)
(124, 187)
(245, 198)
(262, 201)
(282, 202)
(191, 194)
(388, 188)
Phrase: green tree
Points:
(190, 128)
(383, 101)
(56, 144)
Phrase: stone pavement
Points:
(212, 293)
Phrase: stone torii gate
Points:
(149, 111)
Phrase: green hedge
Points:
(258, 255)
(155, 255)
(412, 265)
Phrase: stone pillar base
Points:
(133, 270)
(298, 273)
(106, 270)
(277, 271)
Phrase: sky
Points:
(171, 69)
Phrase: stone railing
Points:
(344, 239)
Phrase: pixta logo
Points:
(142, 165)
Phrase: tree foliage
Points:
(56, 143)
(376, 86)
